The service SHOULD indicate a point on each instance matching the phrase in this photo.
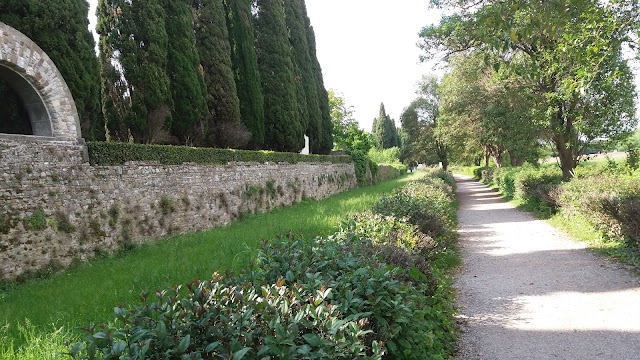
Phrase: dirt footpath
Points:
(526, 291)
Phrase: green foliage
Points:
(218, 319)
(245, 69)
(107, 279)
(366, 292)
(307, 97)
(187, 86)
(384, 130)
(40, 346)
(102, 153)
(582, 86)
(284, 129)
(385, 156)
(37, 221)
(425, 203)
(213, 38)
(346, 132)
(326, 125)
(633, 159)
(391, 231)
(362, 166)
(136, 90)
(610, 203)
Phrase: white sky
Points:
(367, 50)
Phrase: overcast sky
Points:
(367, 50)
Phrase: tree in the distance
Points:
(347, 134)
(384, 130)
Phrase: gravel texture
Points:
(526, 291)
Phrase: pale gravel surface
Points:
(526, 291)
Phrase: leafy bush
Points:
(426, 203)
(610, 203)
(218, 320)
(385, 156)
(366, 292)
(395, 303)
(539, 187)
(110, 153)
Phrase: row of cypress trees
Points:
(222, 73)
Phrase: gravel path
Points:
(526, 291)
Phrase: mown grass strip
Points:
(89, 292)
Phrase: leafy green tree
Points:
(578, 71)
(424, 142)
(284, 130)
(245, 69)
(223, 119)
(384, 130)
(346, 132)
(489, 111)
(183, 69)
(61, 29)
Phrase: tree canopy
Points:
(570, 53)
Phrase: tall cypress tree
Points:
(384, 130)
(135, 50)
(245, 69)
(284, 130)
(325, 127)
(212, 35)
(61, 29)
(307, 89)
(183, 69)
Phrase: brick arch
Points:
(36, 79)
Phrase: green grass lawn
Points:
(88, 293)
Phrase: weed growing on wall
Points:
(37, 221)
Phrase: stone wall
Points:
(55, 207)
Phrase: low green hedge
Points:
(112, 153)
(366, 292)
(611, 203)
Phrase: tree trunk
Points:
(567, 160)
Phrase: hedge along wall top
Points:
(106, 153)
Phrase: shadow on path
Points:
(526, 291)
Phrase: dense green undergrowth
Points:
(601, 205)
(89, 292)
(375, 289)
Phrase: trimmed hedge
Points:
(367, 292)
(112, 153)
